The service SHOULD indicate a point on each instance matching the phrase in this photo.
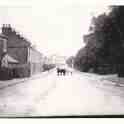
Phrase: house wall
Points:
(19, 53)
(35, 59)
(3, 44)
(17, 46)
(34, 56)
(1, 48)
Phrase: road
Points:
(50, 95)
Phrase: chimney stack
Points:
(6, 29)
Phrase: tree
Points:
(105, 43)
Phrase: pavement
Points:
(114, 79)
(110, 79)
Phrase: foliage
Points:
(70, 61)
(104, 43)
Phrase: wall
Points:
(19, 53)
(1, 48)
(3, 44)
(34, 56)
(36, 61)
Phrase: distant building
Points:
(28, 59)
(60, 60)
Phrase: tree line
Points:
(104, 44)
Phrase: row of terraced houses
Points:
(17, 56)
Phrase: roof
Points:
(11, 59)
(36, 50)
(3, 36)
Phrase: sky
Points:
(52, 26)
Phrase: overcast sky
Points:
(53, 26)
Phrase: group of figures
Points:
(63, 72)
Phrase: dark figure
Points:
(71, 72)
(61, 71)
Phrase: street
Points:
(52, 95)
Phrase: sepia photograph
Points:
(61, 59)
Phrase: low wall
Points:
(5, 74)
(26, 70)
(20, 70)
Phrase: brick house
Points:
(20, 49)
